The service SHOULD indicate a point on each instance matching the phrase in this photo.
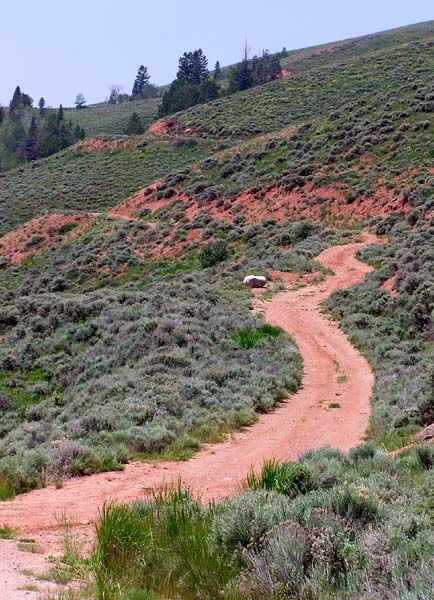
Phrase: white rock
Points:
(255, 281)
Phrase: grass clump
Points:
(289, 479)
(159, 548)
(7, 532)
(250, 338)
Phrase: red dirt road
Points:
(334, 374)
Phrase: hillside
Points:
(126, 333)
(107, 119)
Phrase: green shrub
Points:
(425, 455)
(362, 452)
(354, 504)
(214, 253)
(245, 520)
(7, 532)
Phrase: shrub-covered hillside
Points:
(335, 133)
(93, 176)
(111, 119)
(83, 319)
(310, 93)
(326, 527)
(109, 351)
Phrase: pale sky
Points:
(56, 49)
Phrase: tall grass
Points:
(161, 547)
(249, 338)
(285, 478)
(291, 536)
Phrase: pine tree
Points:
(191, 86)
(79, 133)
(141, 81)
(60, 114)
(2, 114)
(217, 71)
(134, 125)
(32, 141)
(15, 103)
(49, 142)
(193, 66)
(26, 101)
(41, 105)
(209, 90)
(65, 136)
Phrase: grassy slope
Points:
(381, 134)
(79, 180)
(106, 119)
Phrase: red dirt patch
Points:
(144, 199)
(40, 233)
(388, 287)
(165, 127)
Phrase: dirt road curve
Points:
(334, 374)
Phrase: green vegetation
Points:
(107, 119)
(327, 526)
(380, 135)
(93, 180)
(249, 338)
(117, 354)
(192, 84)
(7, 532)
(27, 133)
(136, 338)
(396, 332)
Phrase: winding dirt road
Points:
(332, 408)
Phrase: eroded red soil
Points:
(165, 127)
(388, 286)
(40, 233)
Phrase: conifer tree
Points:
(49, 143)
(134, 125)
(31, 141)
(41, 106)
(15, 103)
(217, 71)
(141, 82)
(191, 86)
(60, 114)
(193, 66)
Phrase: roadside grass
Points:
(7, 532)
(298, 526)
